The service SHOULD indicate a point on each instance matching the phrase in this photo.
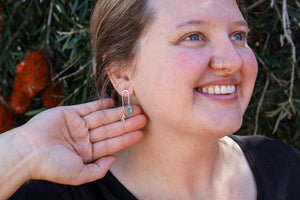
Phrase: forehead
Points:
(176, 12)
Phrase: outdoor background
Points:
(45, 61)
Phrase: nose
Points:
(227, 59)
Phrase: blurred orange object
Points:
(35, 74)
(19, 101)
(53, 95)
(6, 117)
(32, 76)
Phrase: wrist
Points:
(19, 153)
(16, 162)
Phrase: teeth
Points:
(218, 89)
(224, 90)
(228, 88)
(232, 89)
(211, 90)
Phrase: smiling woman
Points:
(188, 66)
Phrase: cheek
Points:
(250, 70)
(191, 64)
(248, 75)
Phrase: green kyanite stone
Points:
(129, 110)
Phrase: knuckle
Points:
(107, 148)
(103, 114)
(94, 157)
(124, 142)
(106, 132)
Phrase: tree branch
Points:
(261, 100)
(255, 5)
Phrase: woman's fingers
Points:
(87, 108)
(108, 116)
(118, 128)
(114, 145)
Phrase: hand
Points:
(75, 144)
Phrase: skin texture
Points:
(184, 154)
(69, 145)
(183, 143)
(174, 67)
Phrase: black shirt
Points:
(275, 166)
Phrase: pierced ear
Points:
(120, 79)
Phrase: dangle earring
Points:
(129, 109)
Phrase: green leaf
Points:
(75, 5)
(35, 112)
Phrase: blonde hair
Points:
(116, 27)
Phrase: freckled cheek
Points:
(248, 75)
(190, 63)
(250, 69)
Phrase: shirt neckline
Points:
(122, 193)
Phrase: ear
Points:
(119, 78)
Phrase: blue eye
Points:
(237, 36)
(194, 37)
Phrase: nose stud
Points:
(220, 65)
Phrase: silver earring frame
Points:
(129, 109)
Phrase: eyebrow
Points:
(241, 23)
(191, 22)
(202, 22)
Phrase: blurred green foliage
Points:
(62, 28)
(274, 110)
(59, 26)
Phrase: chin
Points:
(216, 129)
(228, 129)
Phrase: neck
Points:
(174, 160)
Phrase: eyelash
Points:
(243, 36)
(193, 35)
(200, 38)
(199, 35)
(186, 40)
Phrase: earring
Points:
(129, 109)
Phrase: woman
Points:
(188, 66)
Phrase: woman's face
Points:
(177, 79)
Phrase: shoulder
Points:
(264, 146)
(275, 166)
(268, 152)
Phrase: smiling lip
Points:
(223, 89)
(222, 97)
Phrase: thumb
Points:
(96, 170)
